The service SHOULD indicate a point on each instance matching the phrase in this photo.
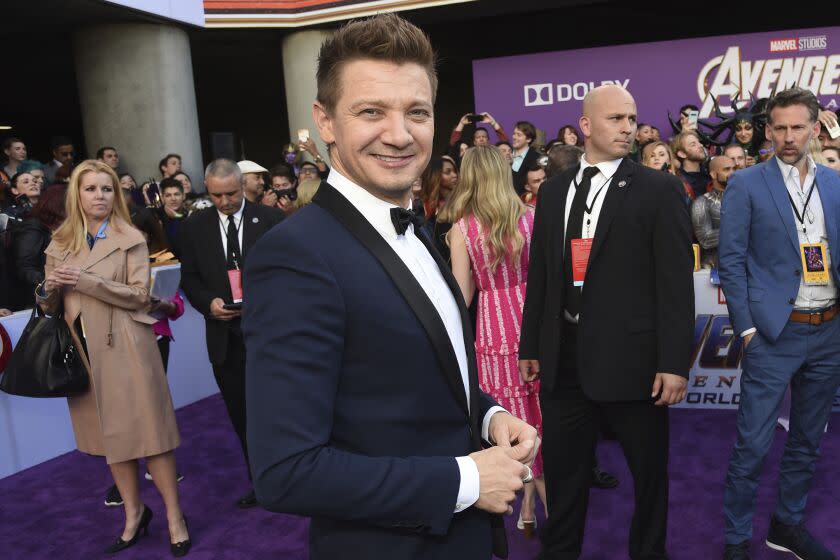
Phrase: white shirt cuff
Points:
(469, 488)
(748, 331)
(485, 425)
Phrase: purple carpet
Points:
(55, 510)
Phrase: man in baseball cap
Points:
(253, 180)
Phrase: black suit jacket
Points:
(520, 177)
(637, 308)
(204, 266)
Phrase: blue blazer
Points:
(760, 264)
(355, 404)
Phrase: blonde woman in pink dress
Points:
(489, 248)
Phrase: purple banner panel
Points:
(547, 88)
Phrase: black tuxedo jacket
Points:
(204, 265)
(637, 308)
(356, 406)
(520, 177)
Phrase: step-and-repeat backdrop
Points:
(547, 88)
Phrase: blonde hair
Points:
(485, 190)
(305, 192)
(815, 150)
(72, 234)
(648, 148)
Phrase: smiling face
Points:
(744, 132)
(569, 137)
(96, 195)
(380, 132)
(519, 140)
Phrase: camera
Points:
(475, 118)
(290, 193)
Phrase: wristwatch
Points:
(318, 157)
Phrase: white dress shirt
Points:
(422, 265)
(808, 297)
(237, 221)
(598, 187)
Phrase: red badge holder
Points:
(580, 259)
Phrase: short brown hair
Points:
(385, 37)
(794, 96)
(528, 129)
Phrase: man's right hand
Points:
(529, 370)
(747, 339)
(500, 474)
(220, 313)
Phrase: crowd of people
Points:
(434, 329)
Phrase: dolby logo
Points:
(539, 94)
(549, 94)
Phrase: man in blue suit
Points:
(364, 410)
(779, 256)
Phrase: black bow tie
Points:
(401, 217)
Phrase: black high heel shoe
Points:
(120, 545)
(180, 549)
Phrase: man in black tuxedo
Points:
(215, 243)
(364, 410)
(613, 339)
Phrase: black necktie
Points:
(233, 253)
(571, 295)
(401, 217)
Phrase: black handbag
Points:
(45, 361)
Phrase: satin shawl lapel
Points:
(778, 192)
(466, 326)
(334, 202)
(613, 199)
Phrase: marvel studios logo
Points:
(799, 44)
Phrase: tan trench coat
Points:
(127, 413)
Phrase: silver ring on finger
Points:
(529, 476)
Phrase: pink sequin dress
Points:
(501, 295)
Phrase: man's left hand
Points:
(506, 430)
(670, 388)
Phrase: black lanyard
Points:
(801, 217)
(590, 207)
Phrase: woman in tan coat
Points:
(97, 266)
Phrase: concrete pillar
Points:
(137, 94)
(300, 63)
